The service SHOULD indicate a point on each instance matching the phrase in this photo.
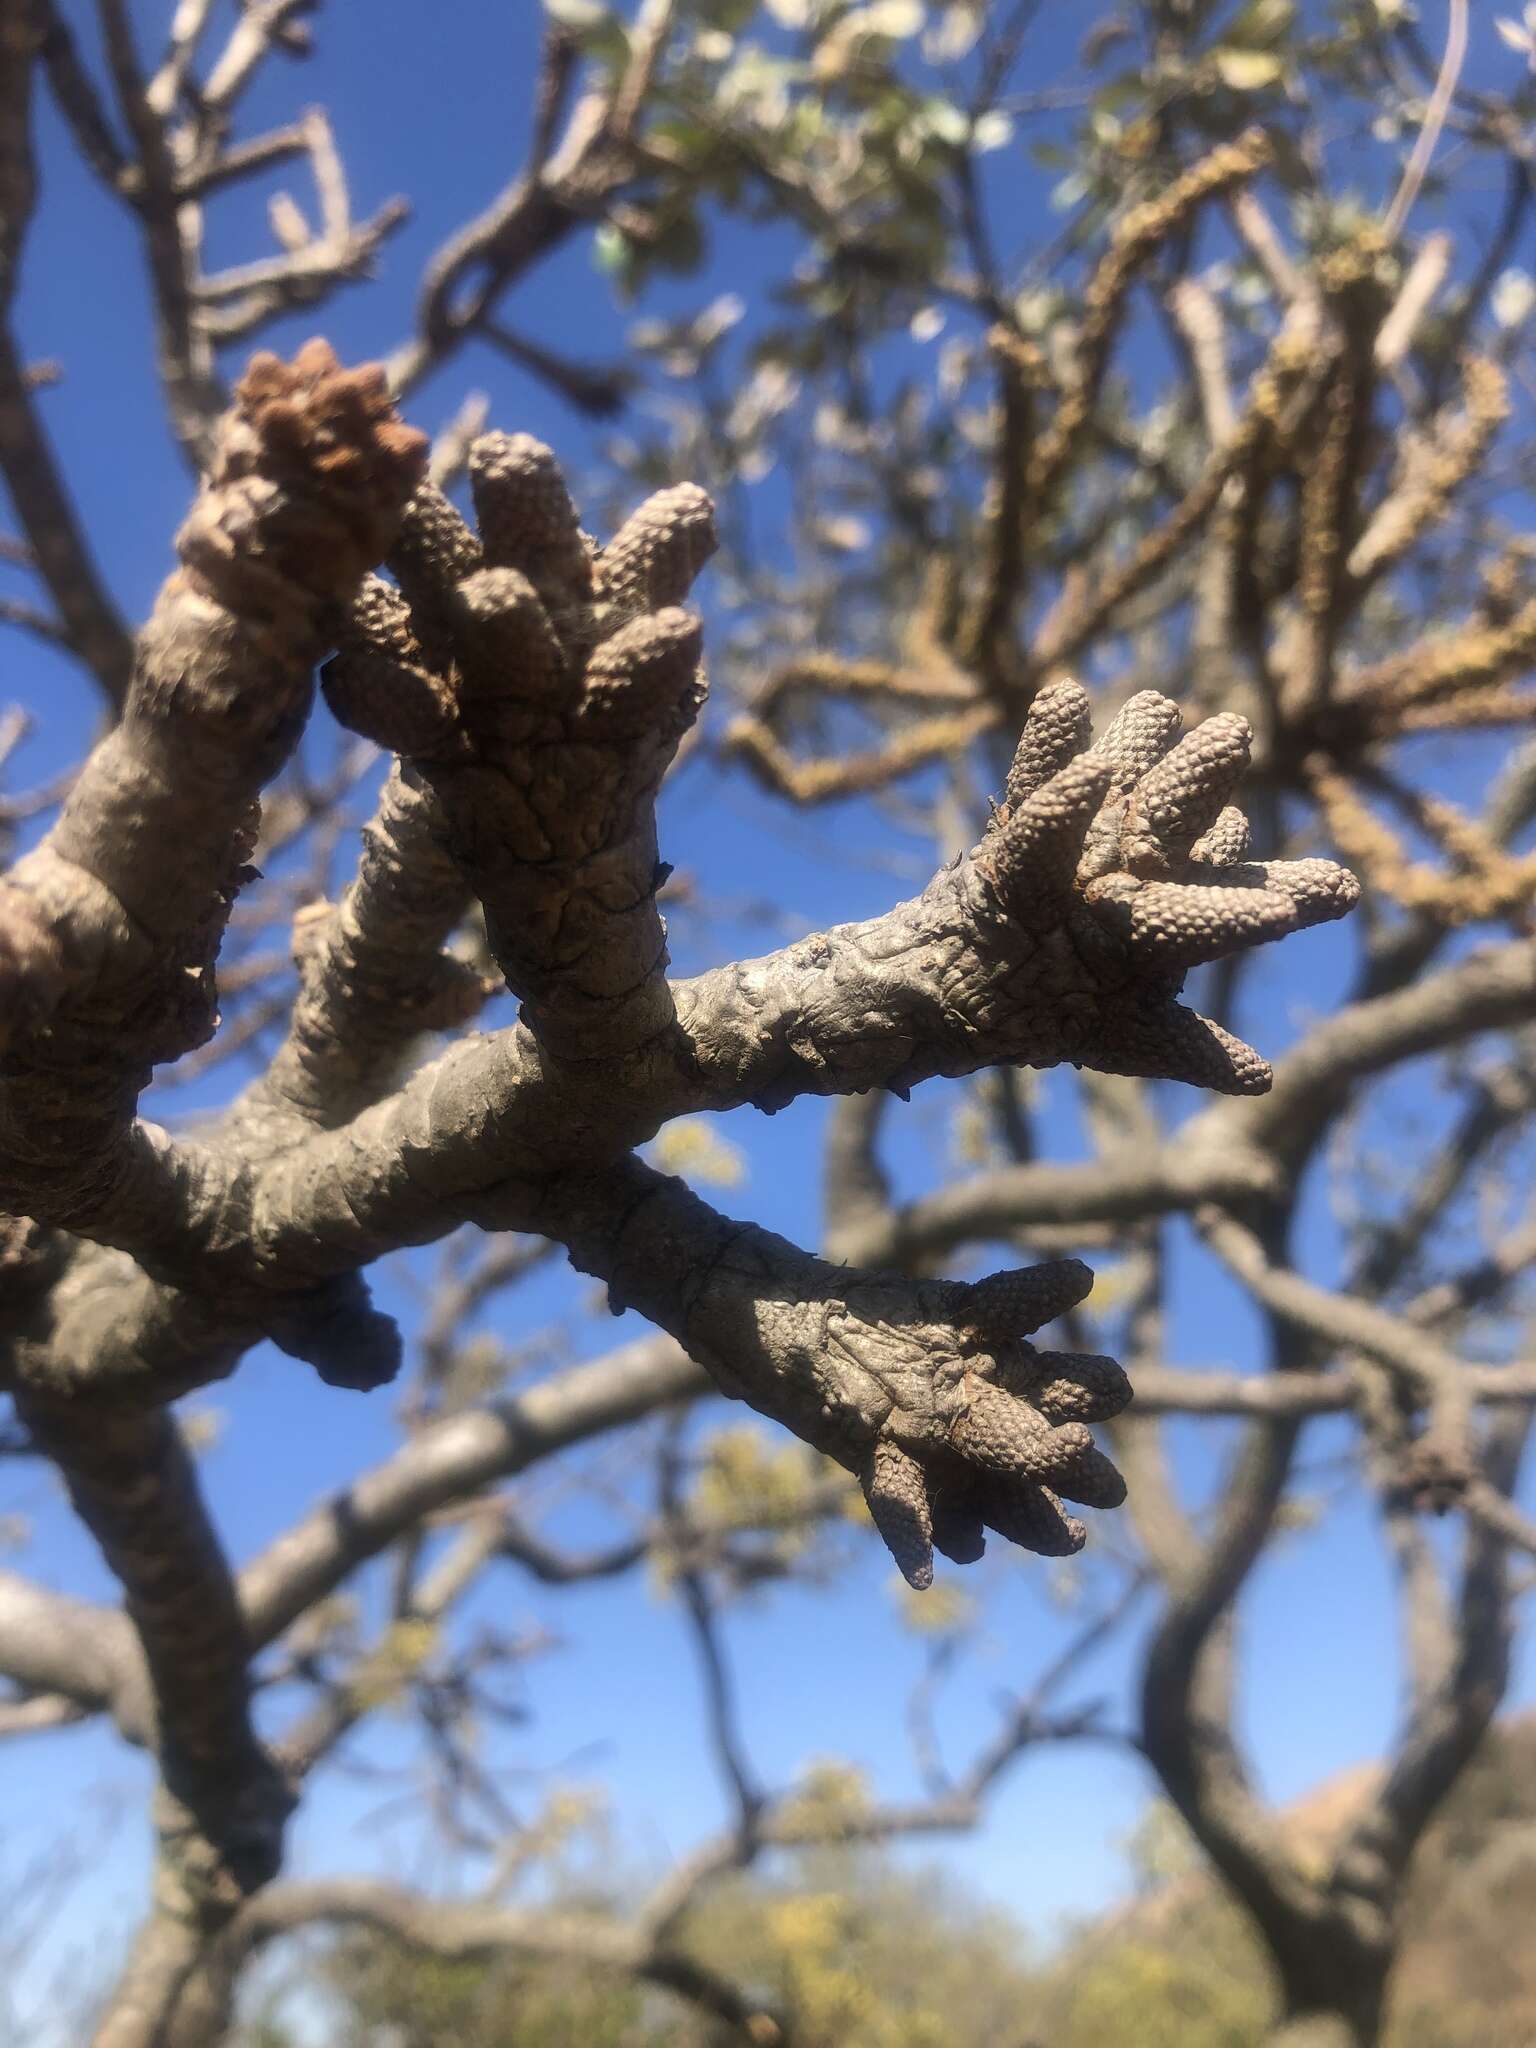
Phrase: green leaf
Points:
(612, 250)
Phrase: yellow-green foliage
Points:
(1181, 1968)
(426, 2003)
(865, 1953)
(384, 1675)
(830, 1798)
(868, 1956)
(747, 1474)
(692, 1148)
(944, 1610)
(1190, 1978)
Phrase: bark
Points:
(536, 686)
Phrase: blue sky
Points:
(432, 102)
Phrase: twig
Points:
(1434, 120)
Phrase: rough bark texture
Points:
(536, 686)
(108, 937)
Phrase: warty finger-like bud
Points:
(395, 704)
(1184, 793)
(379, 620)
(379, 682)
(506, 644)
(1011, 1304)
(1226, 843)
(1032, 855)
(526, 517)
(1178, 925)
(897, 1495)
(309, 471)
(1142, 731)
(1321, 890)
(1005, 1435)
(656, 554)
(433, 551)
(956, 1515)
(1172, 1043)
(1066, 1386)
(1056, 729)
(1032, 1517)
(647, 676)
(1091, 1480)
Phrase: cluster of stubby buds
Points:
(1002, 1436)
(512, 632)
(539, 684)
(1111, 868)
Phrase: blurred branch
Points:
(87, 620)
(1434, 119)
(462, 1930)
(572, 176)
